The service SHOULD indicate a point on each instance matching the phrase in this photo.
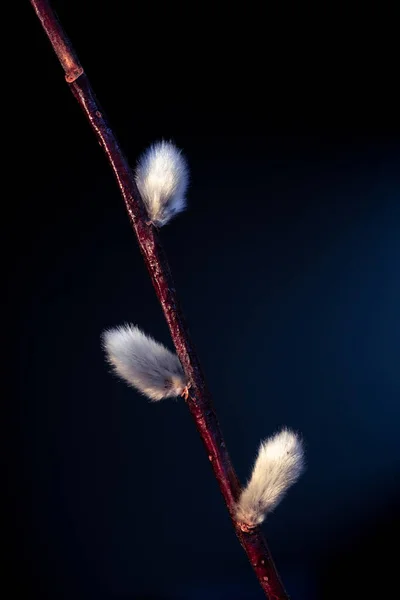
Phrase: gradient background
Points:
(287, 266)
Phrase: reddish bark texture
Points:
(199, 401)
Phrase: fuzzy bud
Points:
(143, 363)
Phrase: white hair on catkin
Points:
(144, 363)
(162, 178)
(279, 464)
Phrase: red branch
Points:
(199, 401)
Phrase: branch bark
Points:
(199, 401)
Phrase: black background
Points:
(287, 265)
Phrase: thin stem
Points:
(199, 401)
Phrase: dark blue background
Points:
(287, 265)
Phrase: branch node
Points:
(246, 528)
(73, 75)
(185, 393)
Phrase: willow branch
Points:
(199, 401)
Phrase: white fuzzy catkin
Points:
(144, 363)
(279, 464)
(162, 178)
